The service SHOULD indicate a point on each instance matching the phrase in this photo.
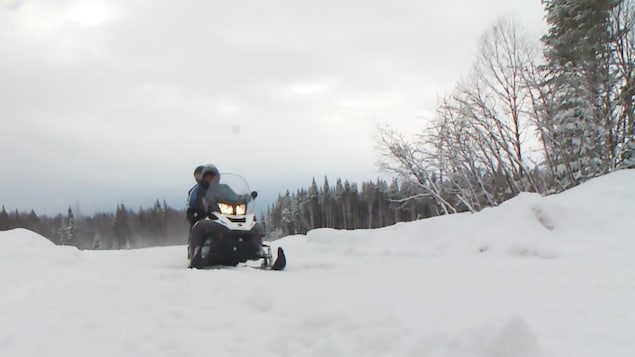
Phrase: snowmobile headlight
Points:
(225, 208)
(241, 210)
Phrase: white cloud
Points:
(134, 94)
(89, 13)
(309, 89)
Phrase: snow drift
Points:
(597, 216)
(537, 276)
(21, 247)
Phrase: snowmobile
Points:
(233, 235)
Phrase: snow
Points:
(536, 276)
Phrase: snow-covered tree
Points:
(67, 234)
(579, 50)
(623, 36)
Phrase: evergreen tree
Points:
(67, 234)
(369, 194)
(16, 220)
(315, 214)
(33, 222)
(340, 205)
(142, 221)
(121, 226)
(5, 220)
(326, 205)
(578, 49)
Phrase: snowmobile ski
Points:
(279, 264)
(281, 261)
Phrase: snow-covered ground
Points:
(536, 276)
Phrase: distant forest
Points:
(125, 228)
(346, 206)
(342, 206)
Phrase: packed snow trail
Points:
(537, 276)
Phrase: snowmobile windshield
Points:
(239, 185)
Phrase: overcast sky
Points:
(109, 101)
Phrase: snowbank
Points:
(21, 247)
(596, 216)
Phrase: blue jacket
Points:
(195, 198)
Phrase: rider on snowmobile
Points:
(215, 193)
(204, 197)
(196, 207)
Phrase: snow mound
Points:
(19, 247)
(594, 217)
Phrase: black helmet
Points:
(198, 173)
(210, 169)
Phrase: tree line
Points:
(346, 206)
(529, 117)
(125, 228)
